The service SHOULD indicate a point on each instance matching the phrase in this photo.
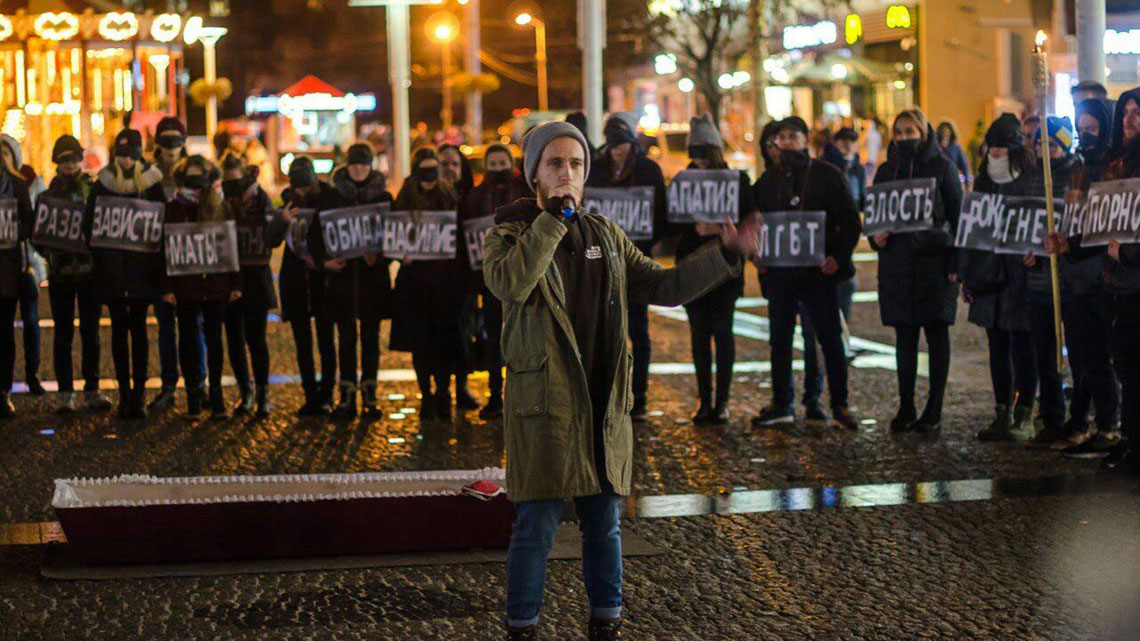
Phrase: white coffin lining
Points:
(138, 490)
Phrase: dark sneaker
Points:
(605, 629)
(95, 401)
(1119, 460)
(719, 415)
(35, 388)
(998, 429)
(639, 413)
(703, 415)
(1048, 436)
(842, 417)
(928, 426)
(244, 404)
(904, 420)
(347, 406)
(813, 412)
(1095, 447)
(1076, 433)
(163, 401)
(773, 415)
(529, 633)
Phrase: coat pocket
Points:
(527, 386)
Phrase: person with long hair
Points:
(34, 269)
(129, 282)
(918, 291)
(429, 297)
(947, 134)
(246, 318)
(198, 201)
(11, 276)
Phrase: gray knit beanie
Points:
(627, 118)
(539, 137)
(703, 132)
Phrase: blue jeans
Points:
(531, 539)
(168, 344)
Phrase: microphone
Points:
(562, 205)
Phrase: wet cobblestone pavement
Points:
(861, 545)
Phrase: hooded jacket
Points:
(372, 289)
(1084, 266)
(549, 414)
(126, 275)
(915, 267)
(1123, 276)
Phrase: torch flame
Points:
(1041, 38)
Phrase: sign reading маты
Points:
(9, 223)
(704, 195)
(1113, 213)
(351, 232)
(420, 235)
(630, 207)
(201, 248)
(900, 206)
(129, 224)
(59, 225)
(792, 238)
(474, 233)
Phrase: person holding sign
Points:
(70, 286)
(129, 275)
(204, 294)
(16, 219)
(302, 287)
(917, 286)
(565, 277)
(429, 295)
(502, 185)
(260, 229)
(799, 183)
(994, 286)
(359, 184)
(622, 163)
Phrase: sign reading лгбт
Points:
(128, 224)
(792, 238)
(1113, 213)
(704, 195)
(351, 232)
(420, 235)
(630, 207)
(474, 233)
(900, 206)
(201, 248)
(9, 223)
(59, 225)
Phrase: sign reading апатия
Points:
(704, 195)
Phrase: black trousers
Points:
(7, 342)
(643, 352)
(346, 349)
(1047, 378)
(369, 348)
(493, 324)
(1126, 358)
(821, 301)
(190, 348)
(906, 359)
(129, 346)
(30, 314)
(1012, 362)
(246, 329)
(1088, 333)
(437, 359)
(710, 321)
(64, 298)
(326, 344)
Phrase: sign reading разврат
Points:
(59, 225)
(704, 195)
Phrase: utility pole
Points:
(474, 99)
(1090, 40)
(592, 40)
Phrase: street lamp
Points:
(443, 28)
(524, 19)
(209, 37)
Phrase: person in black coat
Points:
(917, 285)
(622, 163)
(128, 281)
(360, 184)
(711, 315)
(200, 295)
(15, 227)
(247, 317)
(502, 185)
(302, 288)
(803, 184)
(455, 170)
(994, 286)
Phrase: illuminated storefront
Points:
(80, 73)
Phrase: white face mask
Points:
(999, 170)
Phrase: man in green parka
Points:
(564, 278)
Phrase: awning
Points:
(829, 68)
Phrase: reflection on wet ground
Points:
(745, 501)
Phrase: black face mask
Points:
(195, 181)
(234, 188)
(1089, 142)
(498, 177)
(698, 152)
(427, 174)
(793, 156)
(907, 148)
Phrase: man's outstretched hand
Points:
(743, 240)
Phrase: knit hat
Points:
(536, 141)
(703, 132)
(795, 123)
(1005, 132)
(170, 133)
(66, 149)
(360, 154)
(625, 118)
(301, 172)
(128, 144)
(1060, 132)
(578, 119)
(847, 133)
